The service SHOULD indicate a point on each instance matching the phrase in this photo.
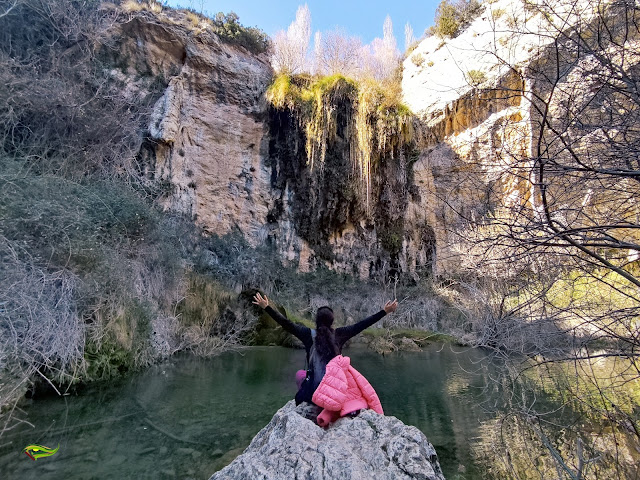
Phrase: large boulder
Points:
(367, 446)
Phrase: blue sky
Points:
(359, 18)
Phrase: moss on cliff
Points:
(354, 168)
(378, 122)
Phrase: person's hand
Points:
(390, 306)
(262, 302)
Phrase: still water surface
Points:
(188, 417)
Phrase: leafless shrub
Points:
(7, 9)
(59, 105)
(40, 332)
(289, 51)
(558, 248)
(337, 52)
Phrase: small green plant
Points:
(452, 18)
(476, 77)
(106, 361)
(417, 59)
(497, 13)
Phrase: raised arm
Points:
(345, 333)
(300, 331)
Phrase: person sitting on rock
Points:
(321, 344)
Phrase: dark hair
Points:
(325, 338)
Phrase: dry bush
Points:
(40, 331)
(236, 323)
(337, 52)
(212, 317)
(155, 6)
(61, 108)
(133, 6)
(289, 50)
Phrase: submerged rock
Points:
(368, 446)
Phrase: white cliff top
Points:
(506, 34)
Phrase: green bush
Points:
(447, 23)
(61, 220)
(124, 346)
(451, 18)
(106, 361)
(229, 29)
(476, 77)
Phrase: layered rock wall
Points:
(207, 131)
(472, 94)
(232, 163)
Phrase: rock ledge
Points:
(367, 446)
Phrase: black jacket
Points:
(317, 367)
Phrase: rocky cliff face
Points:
(207, 132)
(367, 446)
(480, 98)
(232, 163)
(469, 94)
(339, 219)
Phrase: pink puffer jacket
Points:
(344, 390)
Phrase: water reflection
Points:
(189, 417)
(439, 391)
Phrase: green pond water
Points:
(188, 417)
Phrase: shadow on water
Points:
(188, 417)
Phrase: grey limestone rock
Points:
(364, 447)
